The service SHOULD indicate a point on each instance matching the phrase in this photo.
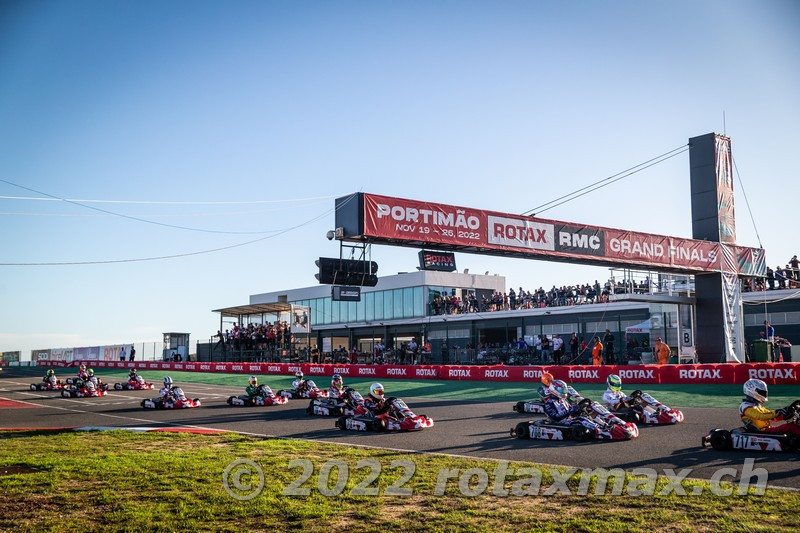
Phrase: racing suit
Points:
(83, 375)
(166, 394)
(335, 392)
(562, 411)
(132, 378)
(615, 399)
(300, 385)
(50, 380)
(759, 418)
(375, 406)
(251, 391)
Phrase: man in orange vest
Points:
(662, 352)
(597, 352)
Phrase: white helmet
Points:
(298, 375)
(253, 381)
(167, 382)
(336, 381)
(89, 386)
(756, 389)
(376, 391)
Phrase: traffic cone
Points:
(780, 357)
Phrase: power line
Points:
(165, 202)
(657, 159)
(138, 219)
(175, 256)
(747, 202)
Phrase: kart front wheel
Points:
(341, 423)
(521, 430)
(519, 407)
(581, 434)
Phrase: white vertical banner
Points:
(732, 307)
(300, 319)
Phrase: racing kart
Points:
(82, 392)
(749, 439)
(350, 403)
(133, 385)
(309, 392)
(536, 406)
(644, 409)
(264, 397)
(398, 418)
(607, 426)
(179, 401)
(47, 386)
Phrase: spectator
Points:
(132, 355)
(608, 343)
(663, 352)
(547, 354)
(597, 352)
(769, 331)
(574, 344)
(122, 354)
(795, 264)
(558, 349)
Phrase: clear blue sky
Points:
(494, 105)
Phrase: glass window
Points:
(388, 298)
(334, 312)
(361, 308)
(408, 302)
(369, 306)
(398, 303)
(326, 311)
(379, 299)
(351, 311)
(314, 315)
(419, 302)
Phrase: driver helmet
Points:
(133, 371)
(253, 381)
(168, 382)
(756, 390)
(51, 372)
(337, 382)
(547, 377)
(559, 389)
(614, 382)
(89, 386)
(82, 367)
(376, 391)
(298, 375)
(90, 372)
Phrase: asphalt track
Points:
(461, 428)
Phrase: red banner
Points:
(772, 373)
(399, 220)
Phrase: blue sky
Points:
(494, 105)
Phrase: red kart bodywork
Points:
(133, 385)
(398, 418)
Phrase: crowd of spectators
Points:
(787, 277)
(587, 293)
(265, 338)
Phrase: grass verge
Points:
(170, 482)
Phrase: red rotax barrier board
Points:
(723, 373)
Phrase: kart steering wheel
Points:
(636, 394)
(585, 404)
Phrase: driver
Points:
(132, 375)
(166, 393)
(299, 383)
(82, 375)
(376, 402)
(547, 378)
(90, 387)
(614, 398)
(252, 387)
(556, 404)
(759, 418)
(337, 387)
(50, 378)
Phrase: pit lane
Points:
(473, 429)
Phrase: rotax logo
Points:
(495, 373)
(426, 372)
(701, 373)
(771, 373)
(395, 371)
(584, 374)
(532, 374)
(637, 374)
(459, 373)
(366, 371)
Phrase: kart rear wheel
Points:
(341, 423)
(310, 408)
(519, 407)
(581, 433)
(230, 400)
(720, 439)
(117, 386)
(34, 386)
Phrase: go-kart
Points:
(133, 385)
(644, 409)
(264, 397)
(750, 439)
(398, 418)
(82, 392)
(309, 391)
(178, 401)
(47, 386)
(350, 403)
(536, 406)
(606, 426)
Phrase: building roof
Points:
(255, 309)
